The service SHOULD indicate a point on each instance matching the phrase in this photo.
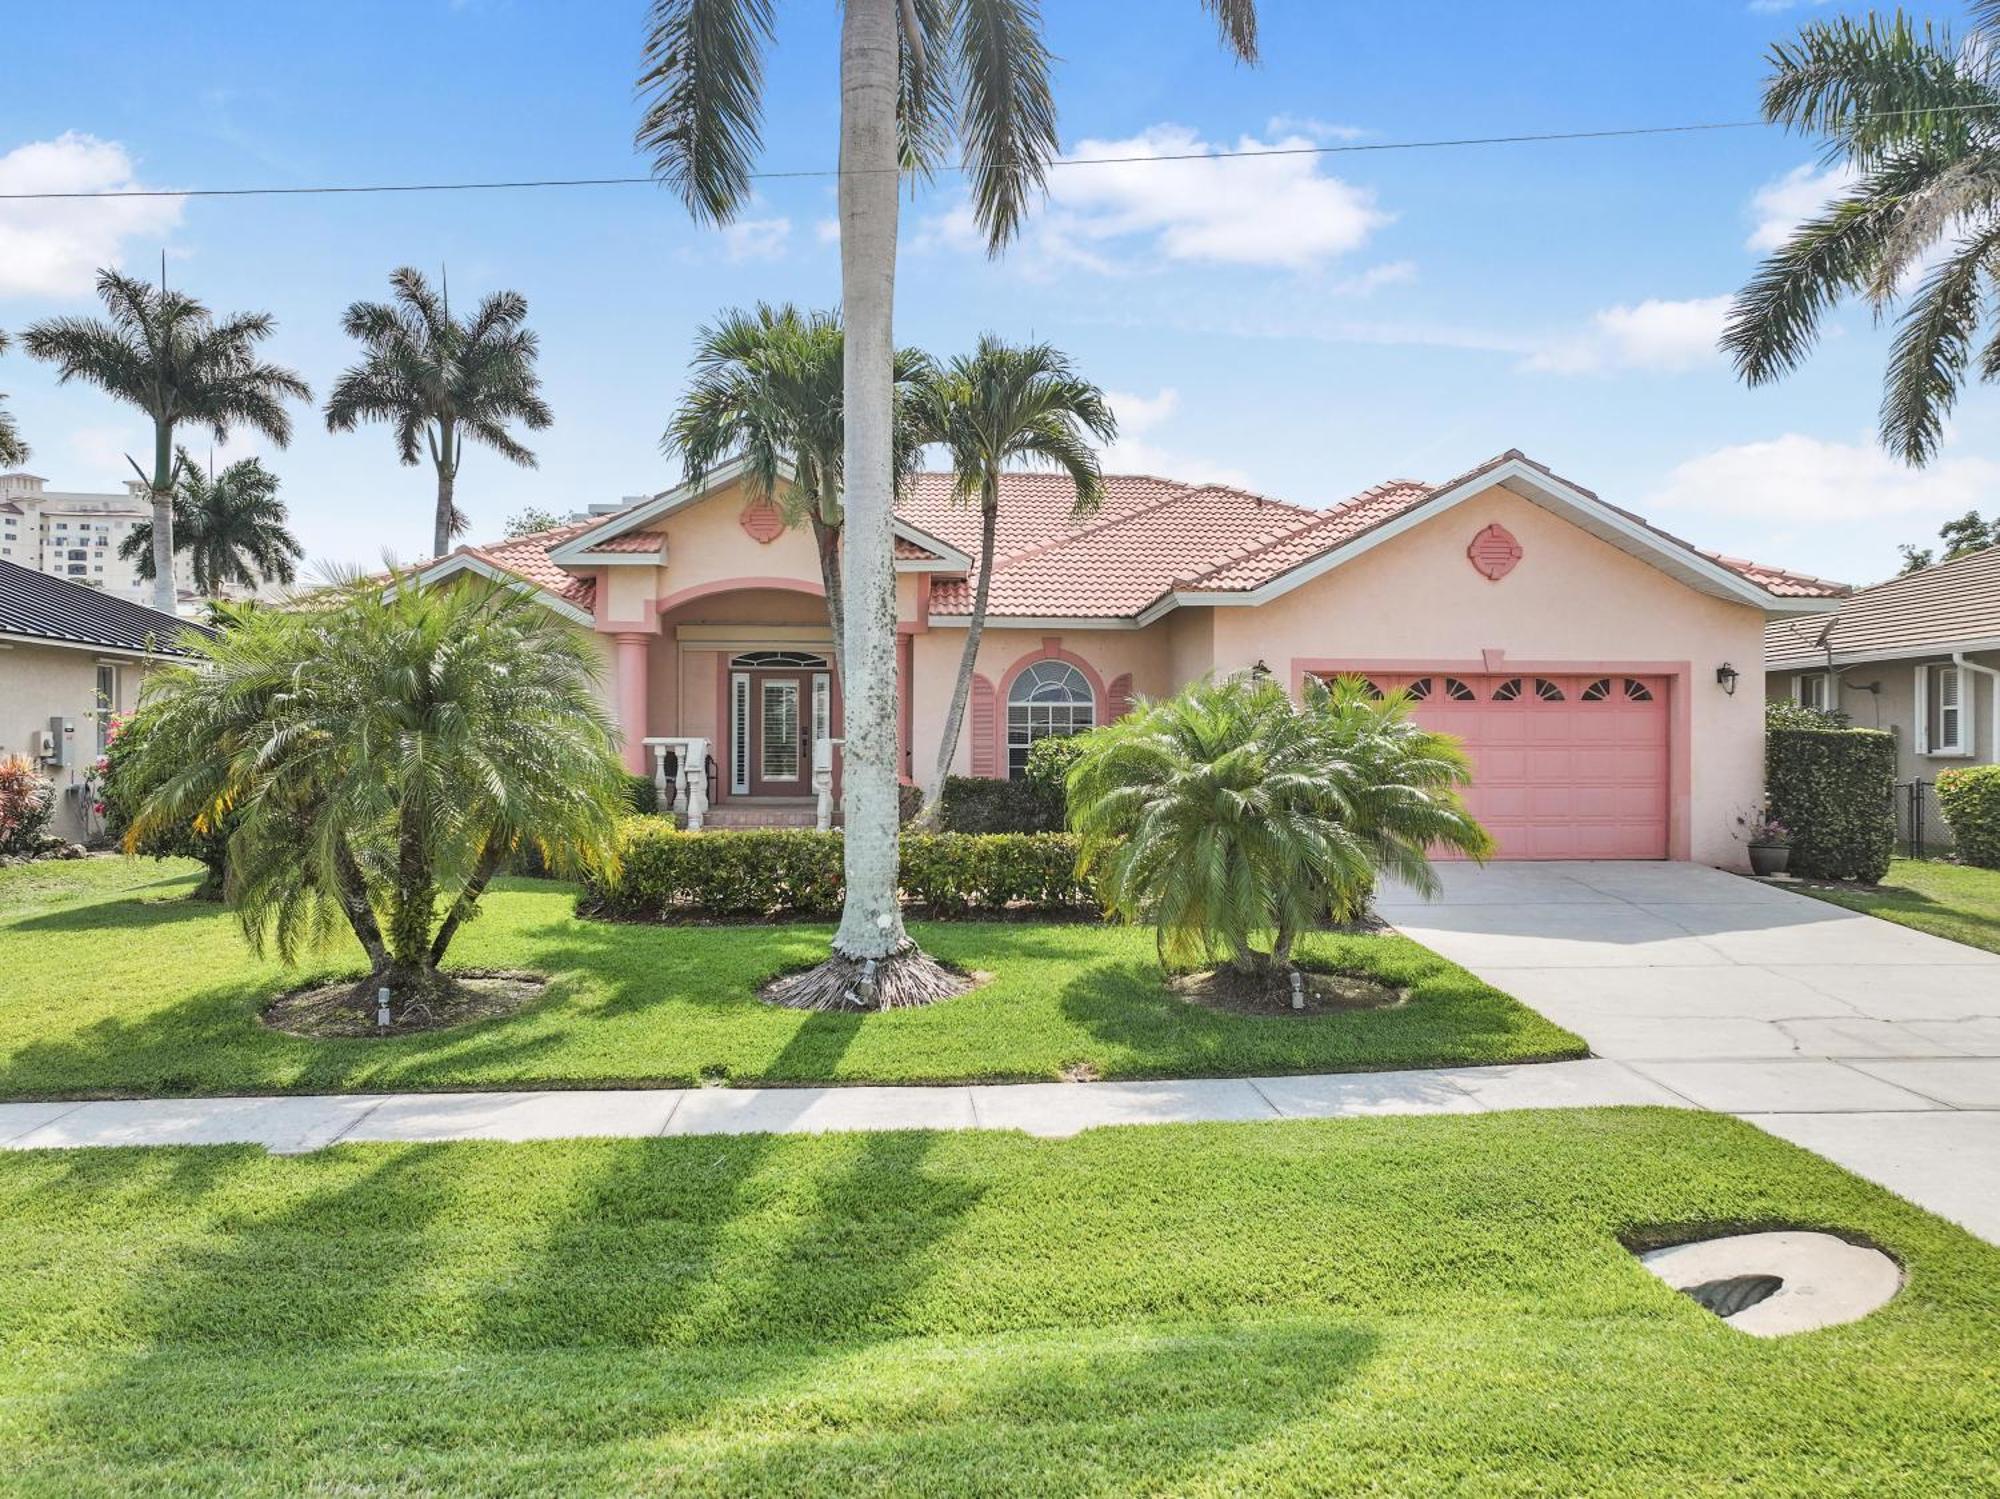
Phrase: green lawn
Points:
(111, 983)
(1423, 1307)
(1947, 900)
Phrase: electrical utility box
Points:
(59, 743)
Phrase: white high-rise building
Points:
(75, 536)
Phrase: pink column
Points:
(632, 652)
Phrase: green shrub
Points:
(1050, 759)
(786, 872)
(1970, 800)
(127, 777)
(977, 804)
(1834, 789)
(641, 795)
(1783, 713)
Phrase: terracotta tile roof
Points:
(1150, 537)
(632, 542)
(1926, 613)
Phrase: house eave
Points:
(1942, 649)
(450, 567)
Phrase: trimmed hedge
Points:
(1970, 800)
(1834, 789)
(784, 872)
(977, 804)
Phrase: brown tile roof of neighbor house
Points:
(35, 605)
(1953, 606)
(1149, 538)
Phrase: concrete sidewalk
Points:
(293, 1124)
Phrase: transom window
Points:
(1453, 689)
(1050, 700)
(777, 660)
(1605, 688)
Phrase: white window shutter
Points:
(1951, 712)
(1920, 739)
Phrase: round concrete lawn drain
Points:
(1771, 1284)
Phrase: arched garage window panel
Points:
(1051, 699)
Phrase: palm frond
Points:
(1237, 20)
(702, 80)
(1008, 115)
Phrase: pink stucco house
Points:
(1588, 659)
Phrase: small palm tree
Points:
(1228, 812)
(231, 526)
(439, 380)
(915, 75)
(382, 755)
(13, 451)
(1917, 118)
(767, 387)
(163, 352)
(998, 408)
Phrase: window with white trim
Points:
(1943, 719)
(107, 702)
(1813, 689)
(1051, 699)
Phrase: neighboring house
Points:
(70, 657)
(1588, 659)
(1918, 655)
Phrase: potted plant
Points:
(1769, 839)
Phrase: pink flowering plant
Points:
(1757, 825)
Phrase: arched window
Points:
(1051, 699)
(1597, 691)
(1458, 692)
(1420, 689)
(1637, 692)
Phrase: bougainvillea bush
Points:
(27, 802)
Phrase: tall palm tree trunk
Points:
(975, 629)
(871, 922)
(164, 598)
(826, 541)
(447, 504)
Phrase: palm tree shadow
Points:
(679, 1292)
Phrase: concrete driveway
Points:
(1875, 1045)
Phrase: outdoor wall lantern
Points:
(1725, 677)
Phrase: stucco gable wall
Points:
(706, 548)
(1571, 598)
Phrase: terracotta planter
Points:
(1769, 858)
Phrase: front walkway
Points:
(1875, 1045)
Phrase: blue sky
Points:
(1307, 326)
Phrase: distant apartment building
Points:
(74, 536)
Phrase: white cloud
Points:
(1798, 478)
(1651, 335)
(1389, 273)
(1782, 204)
(1135, 452)
(1259, 211)
(827, 231)
(756, 239)
(1320, 130)
(55, 247)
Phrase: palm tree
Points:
(231, 526)
(767, 387)
(1229, 812)
(914, 74)
(440, 380)
(994, 409)
(163, 352)
(1916, 118)
(382, 757)
(13, 451)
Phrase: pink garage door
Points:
(1563, 767)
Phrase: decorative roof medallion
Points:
(761, 522)
(1494, 552)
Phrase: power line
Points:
(1345, 148)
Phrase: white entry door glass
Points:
(779, 722)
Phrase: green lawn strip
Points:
(1398, 1306)
(1946, 900)
(122, 987)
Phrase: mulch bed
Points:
(1232, 993)
(348, 1008)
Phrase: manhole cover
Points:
(1770, 1284)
